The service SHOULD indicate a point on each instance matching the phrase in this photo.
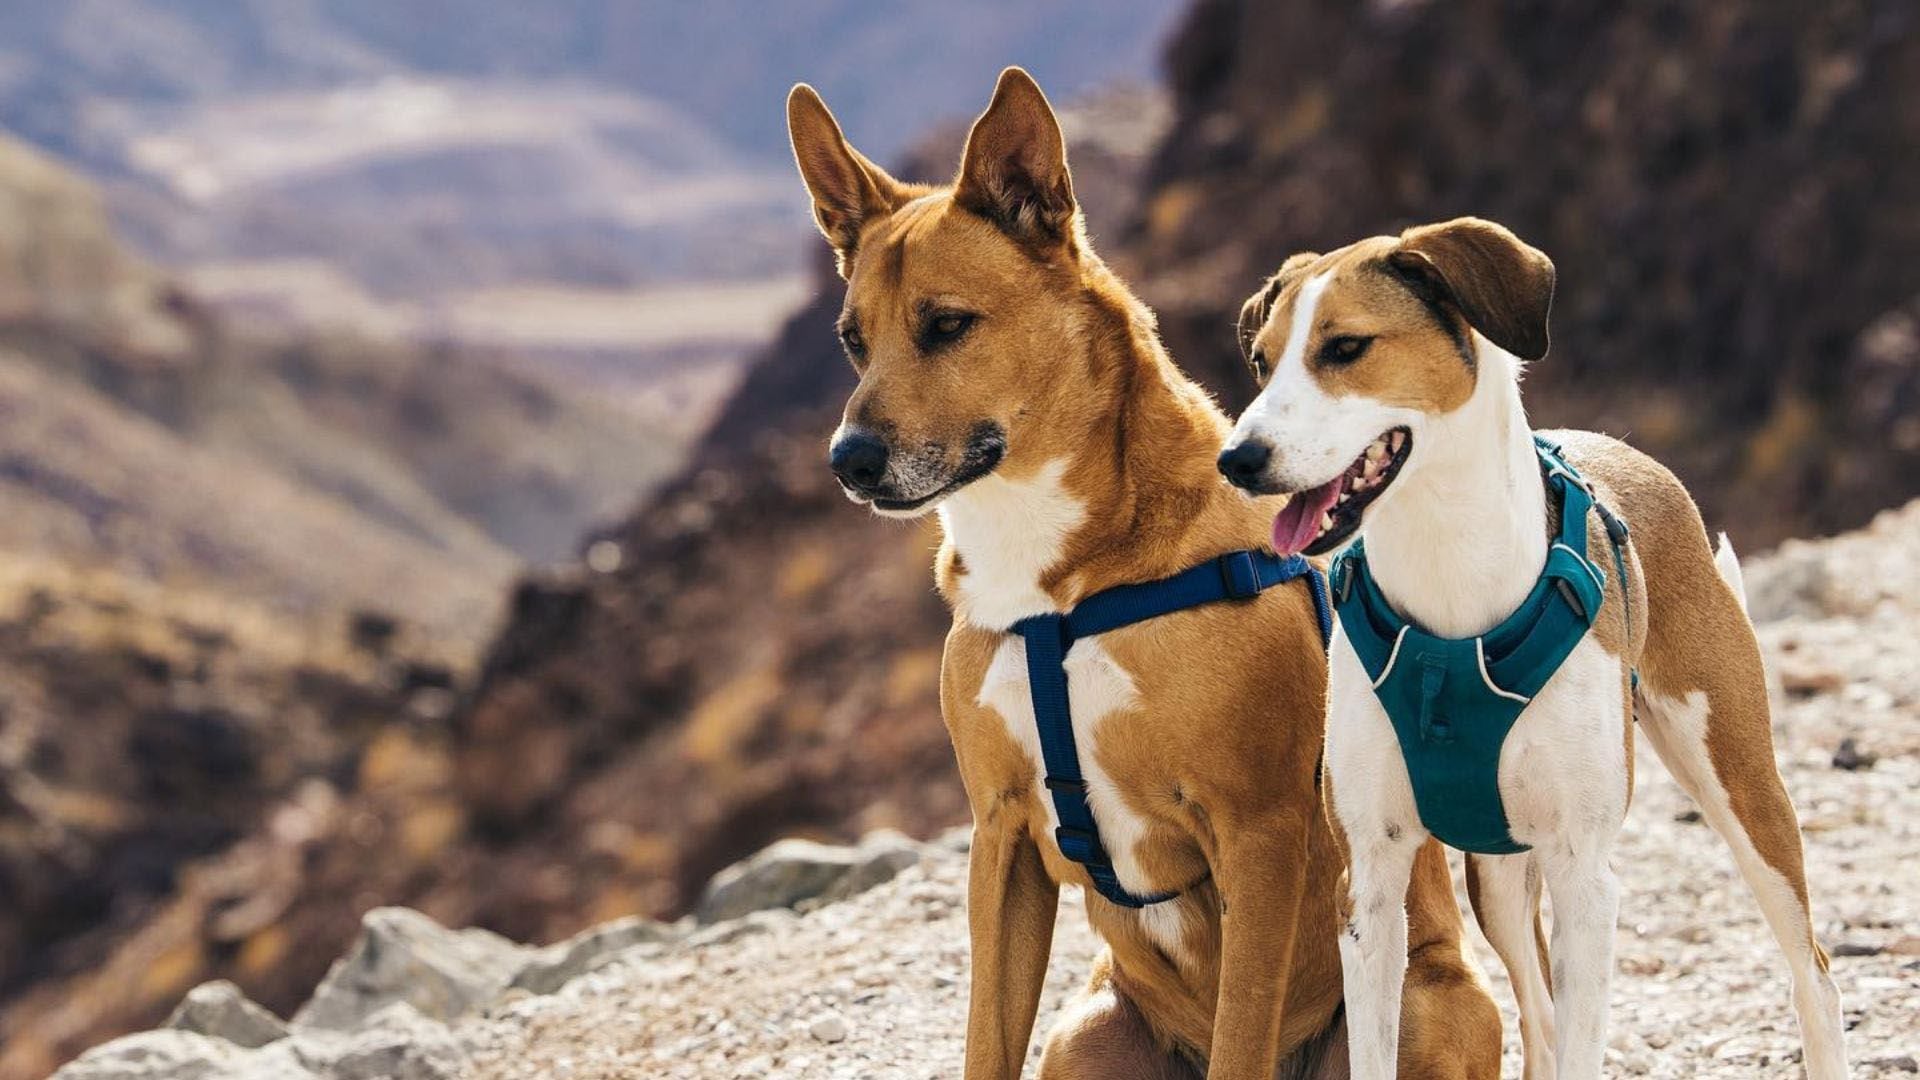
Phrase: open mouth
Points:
(1317, 521)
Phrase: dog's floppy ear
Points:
(847, 189)
(1014, 172)
(1259, 307)
(1502, 286)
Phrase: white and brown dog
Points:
(1391, 410)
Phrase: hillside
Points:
(1727, 191)
(234, 566)
(148, 730)
(875, 987)
(438, 467)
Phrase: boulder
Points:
(404, 956)
(792, 872)
(161, 1055)
(558, 964)
(219, 1010)
(400, 1044)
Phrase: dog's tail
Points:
(1725, 561)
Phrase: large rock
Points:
(403, 956)
(791, 872)
(219, 1010)
(558, 964)
(400, 1044)
(171, 1055)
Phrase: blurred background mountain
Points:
(321, 321)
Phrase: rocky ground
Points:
(874, 986)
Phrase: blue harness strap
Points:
(1237, 575)
(1453, 701)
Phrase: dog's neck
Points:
(1131, 500)
(1459, 539)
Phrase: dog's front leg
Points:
(1586, 908)
(1372, 802)
(1010, 910)
(1373, 948)
(1262, 872)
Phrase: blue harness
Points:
(1454, 700)
(1237, 575)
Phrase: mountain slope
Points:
(240, 577)
(1728, 192)
(447, 463)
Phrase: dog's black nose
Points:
(1243, 464)
(859, 460)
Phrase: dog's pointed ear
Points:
(1259, 307)
(847, 189)
(1014, 172)
(1502, 286)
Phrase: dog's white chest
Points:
(1563, 767)
(1007, 534)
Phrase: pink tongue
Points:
(1298, 522)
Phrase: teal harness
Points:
(1453, 700)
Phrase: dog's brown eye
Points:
(947, 326)
(1258, 362)
(1344, 349)
(856, 344)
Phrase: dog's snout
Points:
(859, 460)
(1244, 463)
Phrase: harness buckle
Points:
(1239, 574)
(1617, 530)
(1074, 787)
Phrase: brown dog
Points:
(1011, 382)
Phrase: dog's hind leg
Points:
(1505, 893)
(1104, 1035)
(1760, 827)
(1449, 1024)
(1703, 704)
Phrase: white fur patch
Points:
(1728, 564)
(1097, 687)
(1007, 533)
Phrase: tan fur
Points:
(1701, 638)
(1410, 362)
(1220, 756)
